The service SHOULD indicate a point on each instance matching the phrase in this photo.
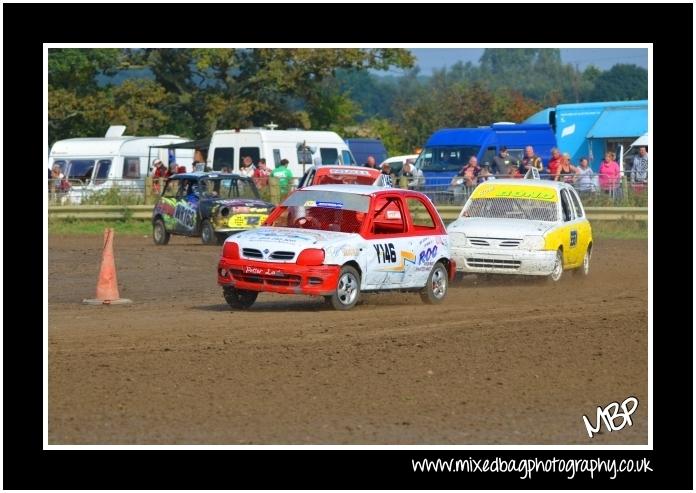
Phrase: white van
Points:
(302, 148)
(115, 160)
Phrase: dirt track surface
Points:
(512, 362)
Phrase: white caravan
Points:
(302, 148)
(94, 164)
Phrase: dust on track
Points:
(499, 362)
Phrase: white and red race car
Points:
(337, 241)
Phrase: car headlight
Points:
(533, 242)
(457, 238)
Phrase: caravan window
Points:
(253, 152)
(276, 157)
(348, 158)
(131, 167)
(223, 157)
(329, 155)
(80, 169)
(103, 167)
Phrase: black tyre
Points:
(159, 233)
(584, 269)
(208, 236)
(557, 272)
(347, 290)
(239, 298)
(435, 289)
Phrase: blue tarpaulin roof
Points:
(620, 122)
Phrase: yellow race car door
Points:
(572, 250)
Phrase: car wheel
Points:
(584, 269)
(557, 271)
(208, 233)
(239, 298)
(347, 289)
(159, 233)
(435, 289)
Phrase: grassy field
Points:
(600, 229)
(77, 227)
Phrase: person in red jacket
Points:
(555, 161)
(159, 173)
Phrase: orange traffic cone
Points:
(107, 286)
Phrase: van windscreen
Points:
(446, 158)
(329, 155)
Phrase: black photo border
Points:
(27, 26)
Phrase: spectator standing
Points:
(529, 161)
(470, 172)
(565, 171)
(160, 170)
(159, 173)
(412, 176)
(555, 162)
(609, 173)
(247, 167)
(371, 163)
(261, 174)
(485, 173)
(284, 176)
(584, 182)
(387, 180)
(502, 163)
(58, 181)
(463, 181)
(639, 171)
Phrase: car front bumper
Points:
(507, 261)
(272, 277)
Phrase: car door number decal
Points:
(184, 215)
(386, 253)
(573, 237)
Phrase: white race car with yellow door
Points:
(522, 226)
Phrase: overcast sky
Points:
(604, 58)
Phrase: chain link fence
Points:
(600, 191)
(595, 190)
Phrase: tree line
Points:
(193, 92)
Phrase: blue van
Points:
(362, 148)
(449, 149)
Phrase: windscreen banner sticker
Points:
(319, 203)
(362, 172)
(393, 215)
(332, 205)
(492, 191)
